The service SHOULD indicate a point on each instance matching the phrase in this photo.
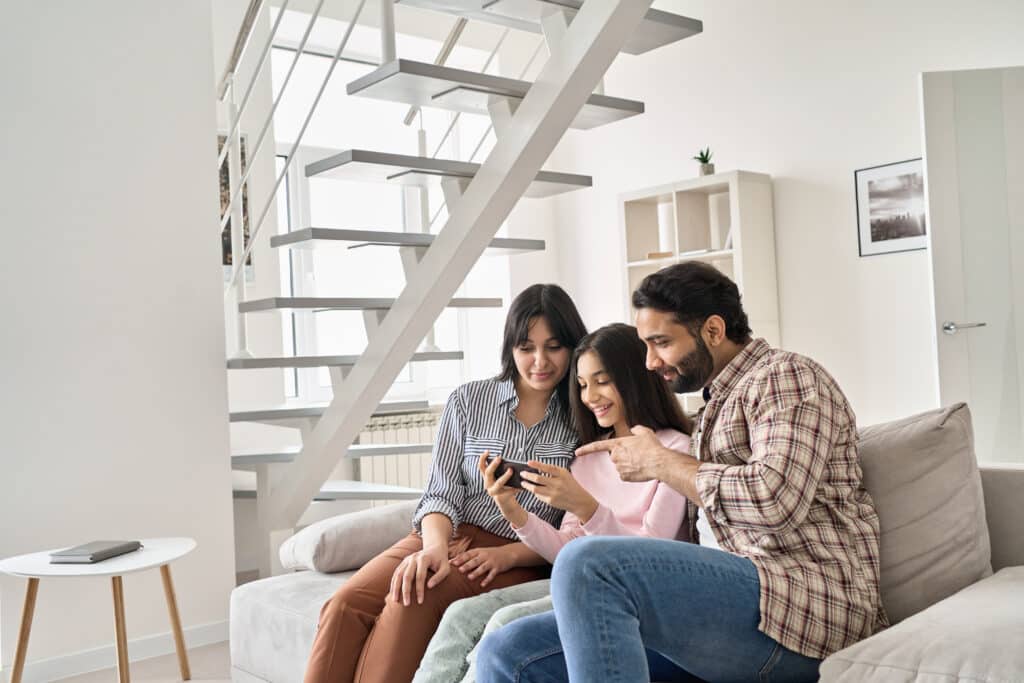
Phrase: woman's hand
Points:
(486, 562)
(413, 571)
(503, 496)
(558, 488)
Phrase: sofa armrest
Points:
(347, 541)
(1003, 484)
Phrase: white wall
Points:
(114, 408)
(807, 92)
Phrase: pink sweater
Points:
(648, 508)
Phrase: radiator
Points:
(409, 470)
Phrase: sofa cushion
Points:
(347, 541)
(922, 474)
(273, 622)
(975, 635)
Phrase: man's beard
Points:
(694, 370)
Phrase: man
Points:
(774, 469)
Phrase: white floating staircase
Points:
(528, 119)
(656, 29)
(311, 238)
(362, 165)
(434, 85)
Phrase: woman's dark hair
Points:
(646, 398)
(554, 305)
(693, 292)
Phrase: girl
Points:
(377, 625)
(611, 393)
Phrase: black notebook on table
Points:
(96, 551)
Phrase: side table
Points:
(155, 552)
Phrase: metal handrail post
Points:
(388, 53)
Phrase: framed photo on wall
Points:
(890, 208)
(227, 258)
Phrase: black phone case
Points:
(515, 481)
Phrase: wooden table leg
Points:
(26, 626)
(172, 608)
(120, 632)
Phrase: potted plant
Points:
(704, 157)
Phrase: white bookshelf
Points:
(723, 219)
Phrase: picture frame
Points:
(227, 260)
(891, 215)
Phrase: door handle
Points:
(952, 328)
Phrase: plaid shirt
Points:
(781, 485)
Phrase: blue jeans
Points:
(640, 609)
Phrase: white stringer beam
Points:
(593, 40)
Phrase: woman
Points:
(612, 393)
(378, 623)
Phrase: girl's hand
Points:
(485, 562)
(503, 496)
(413, 571)
(558, 488)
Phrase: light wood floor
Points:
(209, 664)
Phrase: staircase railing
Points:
(574, 69)
(528, 132)
(231, 152)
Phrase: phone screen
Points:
(515, 481)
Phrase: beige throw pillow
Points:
(922, 473)
(348, 541)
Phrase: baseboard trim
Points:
(101, 658)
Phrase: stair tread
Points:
(657, 28)
(368, 166)
(329, 361)
(354, 451)
(295, 303)
(434, 85)
(344, 489)
(308, 238)
(288, 412)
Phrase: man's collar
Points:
(739, 366)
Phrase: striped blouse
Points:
(480, 416)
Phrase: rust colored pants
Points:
(365, 636)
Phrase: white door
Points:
(974, 173)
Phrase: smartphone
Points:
(515, 481)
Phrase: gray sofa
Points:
(952, 567)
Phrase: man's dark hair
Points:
(552, 303)
(693, 292)
(646, 399)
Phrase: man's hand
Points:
(641, 457)
(413, 572)
(637, 457)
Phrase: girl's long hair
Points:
(553, 304)
(646, 398)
